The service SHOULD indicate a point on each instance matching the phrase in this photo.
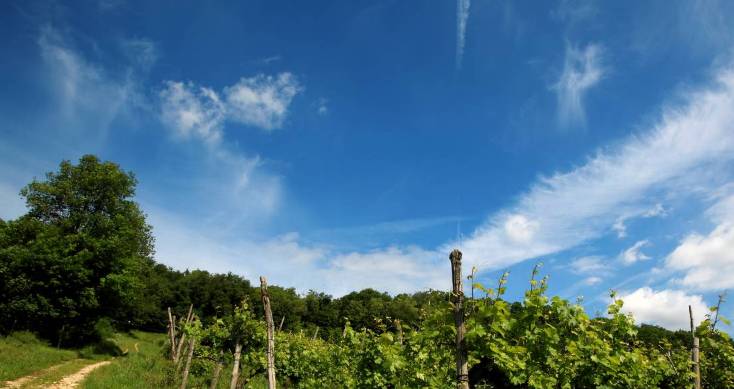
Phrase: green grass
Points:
(149, 368)
(22, 353)
(146, 368)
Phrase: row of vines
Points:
(543, 342)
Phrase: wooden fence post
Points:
(271, 337)
(462, 367)
(280, 327)
(172, 334)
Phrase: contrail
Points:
(462, 14)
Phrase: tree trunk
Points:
(271, 336)
(236, 367)
(172, 334)
(462, 367)
(217, 371)
(185, 380)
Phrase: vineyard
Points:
(540, 343)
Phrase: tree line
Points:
(83, 253)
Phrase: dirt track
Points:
(70, 381)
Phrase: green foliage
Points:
(75, 257)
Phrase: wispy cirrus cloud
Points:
(462, 17)
(569, 208)
(582, 70)
(86, 96)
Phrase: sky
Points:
(336, 146)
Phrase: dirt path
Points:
(73, 380)
(24, 380)
(70, 381)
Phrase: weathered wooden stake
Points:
(697, 366)
(172, 334)
(694, 352)
(271, 336)
(217, 371)
(462, 367)
(315, 333)
(181, 340)
(280, 327)
(236, 367)
(185, 380)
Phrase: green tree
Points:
(77, 255)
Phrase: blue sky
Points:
(336, 145)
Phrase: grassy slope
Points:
(22, 353)
(144, 368)
(148, 368)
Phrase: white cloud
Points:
(634, 253)
(582, 70)
(192, 111)
(520, 229)
(593, 280)
(392, 269)
(462, 16)
(707, 261)
(576, 206)
(262, 101)
(666, 308)
(286, 260)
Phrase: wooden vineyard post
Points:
(694, 352)
(185, 380)
(236, 367)
(457, 296)
(280, 327)
(217, 371)
(172, 334)
(697, 366)
(271, 329)
(315, 333)
(179, 347)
